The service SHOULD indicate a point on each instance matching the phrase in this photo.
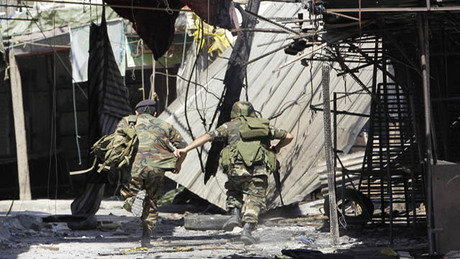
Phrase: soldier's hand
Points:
(180, 152)
(274, 149)
(177, 169)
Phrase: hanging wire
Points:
(141, 42)
(132, 13)
(74, 102)
(11, 207)
(167, 80)
(77, 136)
(168, 9)
(220, 103)
(202, 41)
(199, 150)
(184, 46)
(246, 84)
(53, 142)
(204, 88)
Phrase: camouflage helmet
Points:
(242, 109)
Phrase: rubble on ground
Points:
(300, 232)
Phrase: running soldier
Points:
(157, 142)
(247, 159)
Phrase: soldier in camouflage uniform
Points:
(157, 141)
(246, 185)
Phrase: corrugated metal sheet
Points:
(289, 93)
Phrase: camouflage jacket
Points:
(157, 140)
(230, 134)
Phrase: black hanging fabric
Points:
(156, 26)
(108, 95)
(108, 103)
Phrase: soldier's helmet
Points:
(242, 109)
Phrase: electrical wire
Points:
(53, 138)
(11, 207)
(189, 127)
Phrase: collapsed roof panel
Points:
(285, 96)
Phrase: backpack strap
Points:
(85, 170)
(132, 119)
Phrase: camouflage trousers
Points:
(246, 189)
(151, 180)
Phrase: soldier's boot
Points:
(234, 220)
(138, 204)
(145, 239)
(246, 234)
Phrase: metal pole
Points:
(342, 187)
(394, 9)
(424, 61)
(334, 225)
(387, 151)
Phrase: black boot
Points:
(145, 239)
(246, 234)
(233, 221)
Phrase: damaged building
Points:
(392, 79)
(381, 75)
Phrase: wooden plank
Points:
(20, 130)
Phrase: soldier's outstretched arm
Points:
(201, 140)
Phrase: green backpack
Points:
(250, 148)
(115, 151)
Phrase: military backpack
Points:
(115, 151)
(252, 147)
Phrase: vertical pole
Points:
(334, 226)
(334, 123)
(388, 146)
(335, 130)
(19, 130)
(425, 66)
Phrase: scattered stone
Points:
(30, 222)
(5, 234)
(306, 240)
(108, 226)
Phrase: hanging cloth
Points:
(108, 103)
(108, 95)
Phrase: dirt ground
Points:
(292, 232)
